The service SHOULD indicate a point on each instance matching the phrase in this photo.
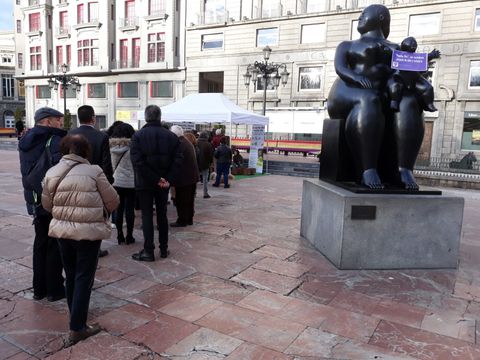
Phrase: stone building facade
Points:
(125, 54)
(131, 53)
(12, 94)
(223, 37)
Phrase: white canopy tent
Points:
(210, 108)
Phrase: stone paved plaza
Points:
(241, 284)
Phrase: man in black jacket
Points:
(98, 142)
(156, 160)
(223, 154)
(47, 264)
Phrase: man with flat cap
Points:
(39, 150)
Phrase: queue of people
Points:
(75, 182)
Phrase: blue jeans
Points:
(222, 169)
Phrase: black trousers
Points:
(185, 203)
(127, 206)
(80, 260)
(146, 199)
(47, 263)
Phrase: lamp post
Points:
(64, 80)
(266, 70)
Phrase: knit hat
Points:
(177, 130)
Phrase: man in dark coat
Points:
(47, 264)
(205, 159)
(98, 140)
(99, 144)
(156, 160)
(186, 183)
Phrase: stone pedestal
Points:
(381, 231)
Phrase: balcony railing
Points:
(269, 12)
(129, 22)
(62, 30)
(125, 64)
(213, 17)
(156, 13)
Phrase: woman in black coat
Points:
(186, 182)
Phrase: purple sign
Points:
(402, 60)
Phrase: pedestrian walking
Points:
(39, 150)
(80, 198)
(156, 159)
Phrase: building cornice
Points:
(325, 14)
(102, 73)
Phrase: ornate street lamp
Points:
(275, 71)
(66, 81)
(265, 70)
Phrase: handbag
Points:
(118, 163)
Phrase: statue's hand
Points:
(434, 54)
(364, 82)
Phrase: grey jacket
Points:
(121, 163)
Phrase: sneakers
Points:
(206, 196)
(143, 256)
(76, 336)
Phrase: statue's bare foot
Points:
(407, 178)
(371, 179)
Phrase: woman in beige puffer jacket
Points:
(81, 202)
(80, 199)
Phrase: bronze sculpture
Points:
(383, 143)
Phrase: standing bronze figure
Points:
(383, 143)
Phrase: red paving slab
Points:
(422, 344)
(241, 284)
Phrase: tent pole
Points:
(267, 156)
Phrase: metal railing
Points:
(62, 30)
(448, 164)
(213, 17)
(125, 64)
(129, 22)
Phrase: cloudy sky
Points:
(6, 14)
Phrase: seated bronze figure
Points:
(383, 143)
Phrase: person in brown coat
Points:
(186, 183)
(80, 198)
